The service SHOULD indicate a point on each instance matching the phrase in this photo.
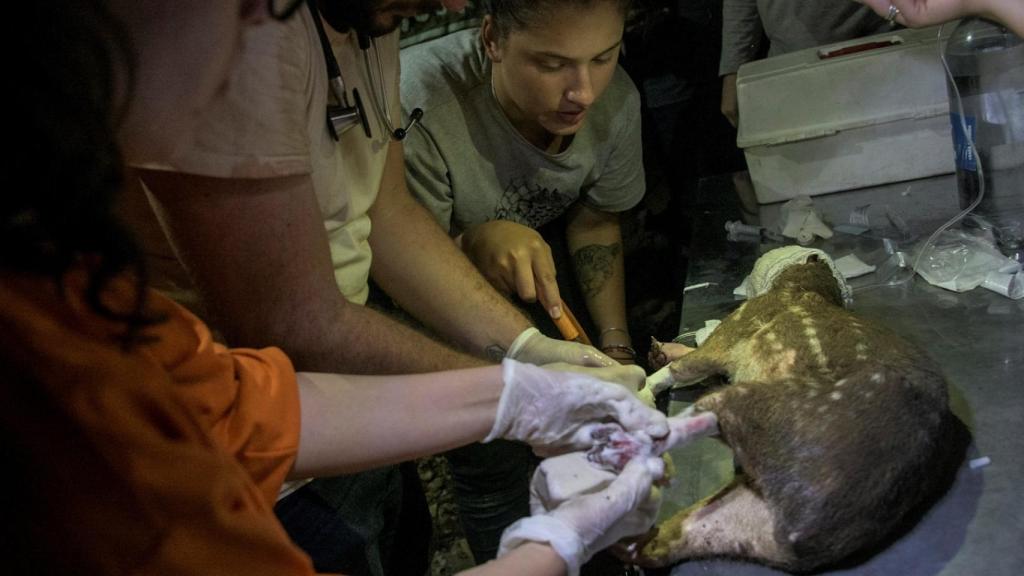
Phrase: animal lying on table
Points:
(841, 432)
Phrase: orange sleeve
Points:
(247, 399)
(118, 473)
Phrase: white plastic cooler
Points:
(854, 114)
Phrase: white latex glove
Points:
(628, 375)
(533, 347)
(555, 411)
(580, 510)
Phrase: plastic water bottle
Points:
(987, 64)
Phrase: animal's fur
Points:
(841, 429)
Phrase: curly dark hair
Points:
(512, 15)
(73, 63)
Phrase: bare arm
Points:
(531, 558)
(344, 429)
(355, 423)
(352, 423)
(595, 242)
(425, 272)
(258, 252)
(730, 100)
(916, 13)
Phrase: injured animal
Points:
(840, 430)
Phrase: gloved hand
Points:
(579, 510)
(533, 347)
(556, 412)
(656, 384)
(662, 354)
(632, 377)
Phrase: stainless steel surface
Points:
(977, 338)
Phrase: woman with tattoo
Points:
(527, 118)
(532, 119)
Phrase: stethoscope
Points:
(344, 115)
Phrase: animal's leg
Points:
(662, 353)
(686, 371)
(694, 367)
(736, 522)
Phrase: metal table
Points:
(977, 338)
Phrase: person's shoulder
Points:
(619, 105)
(615, 111)
(441, 71)
(621, 90)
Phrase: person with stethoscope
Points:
(136, 444)
(276, 212)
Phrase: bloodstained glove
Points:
(555, 411)
(579, 510)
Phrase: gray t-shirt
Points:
(468, 164)
(790, 25)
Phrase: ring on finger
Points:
(893, 13)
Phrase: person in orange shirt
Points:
(134, 443)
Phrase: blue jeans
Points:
(492, 490)
(352, 524)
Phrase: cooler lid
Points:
(817, 92)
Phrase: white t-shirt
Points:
(271, 122)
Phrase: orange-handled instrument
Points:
(570, 327)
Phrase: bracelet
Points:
(620, 347)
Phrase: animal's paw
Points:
(661, 547)
(662, 353)
(690, 425)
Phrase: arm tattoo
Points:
(496, 353)
(594, 266)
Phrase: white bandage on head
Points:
(772, 263)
